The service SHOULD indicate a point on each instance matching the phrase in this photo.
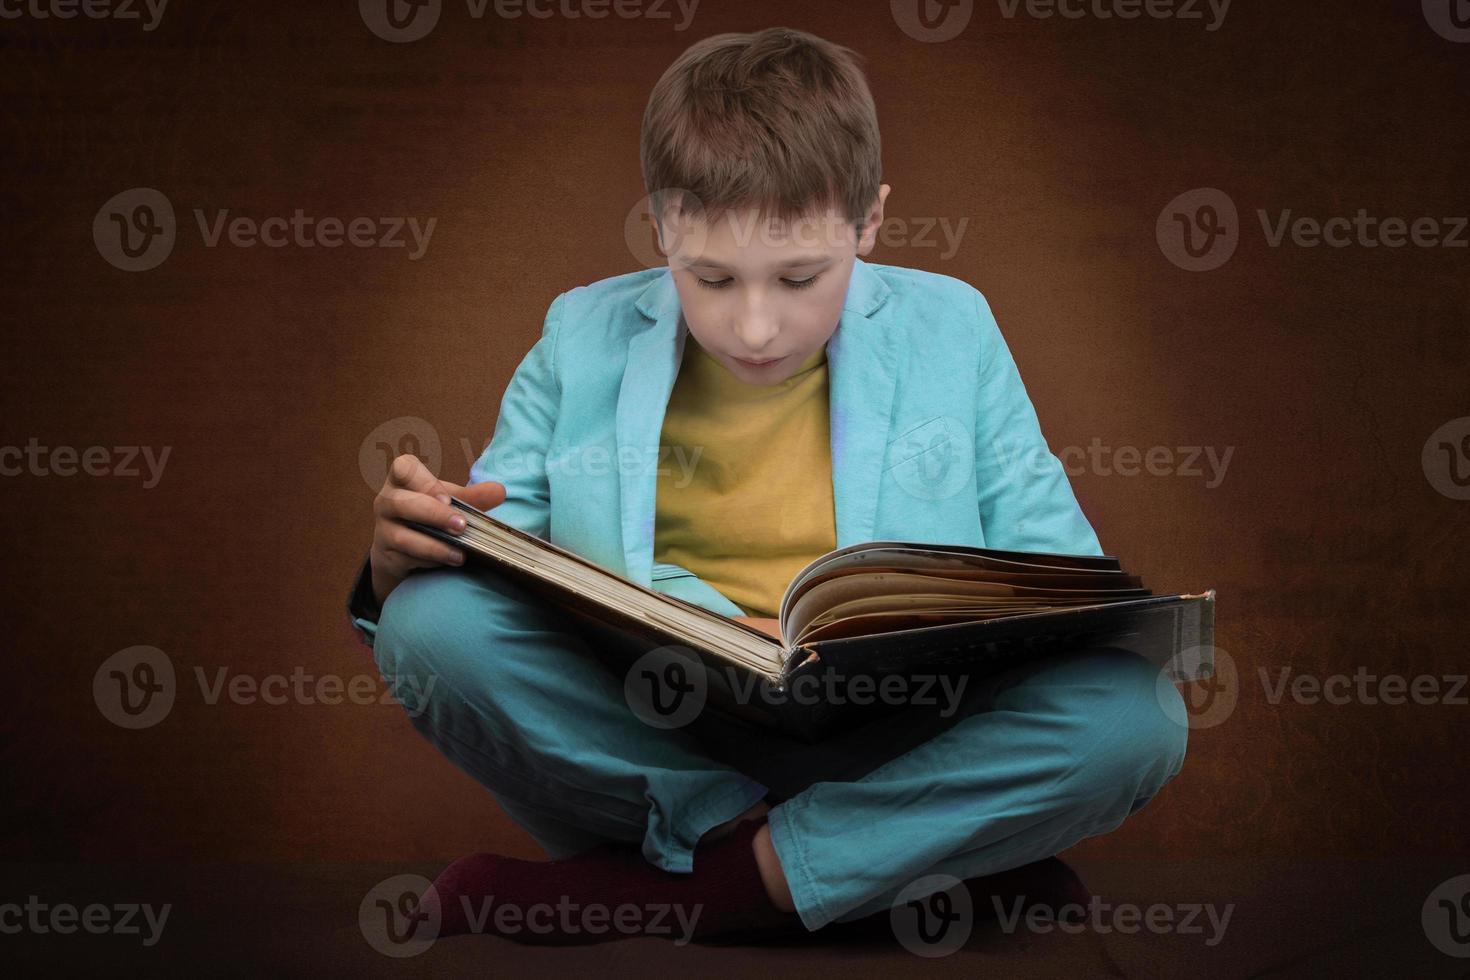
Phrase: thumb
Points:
(482, 496)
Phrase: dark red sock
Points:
(612, 892)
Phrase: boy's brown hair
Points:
(779, 120)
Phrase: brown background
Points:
(1060, 141)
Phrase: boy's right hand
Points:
(412, 493)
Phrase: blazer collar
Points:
(862, 365)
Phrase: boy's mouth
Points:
(760, 364)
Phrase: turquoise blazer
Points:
(933, 436)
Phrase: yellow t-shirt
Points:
(750, 500)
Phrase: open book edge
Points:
(679, 621)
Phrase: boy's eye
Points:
(790, 283)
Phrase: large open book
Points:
(870, 610)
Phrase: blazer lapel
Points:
(648, 381)
(862, 371)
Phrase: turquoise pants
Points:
(1042, 757)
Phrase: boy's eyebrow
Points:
(788, 264)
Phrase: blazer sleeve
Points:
(516, 455)
(1026, 502)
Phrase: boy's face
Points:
(758, 290)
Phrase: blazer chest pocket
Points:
(933, 460)
(916, 441)
(664, 570)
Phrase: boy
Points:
(829, 402)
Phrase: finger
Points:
(481, 496)
(421, 550)
(410, 473)
(405, 505)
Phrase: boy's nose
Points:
(755, 329)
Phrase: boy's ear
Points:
(868, 236)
